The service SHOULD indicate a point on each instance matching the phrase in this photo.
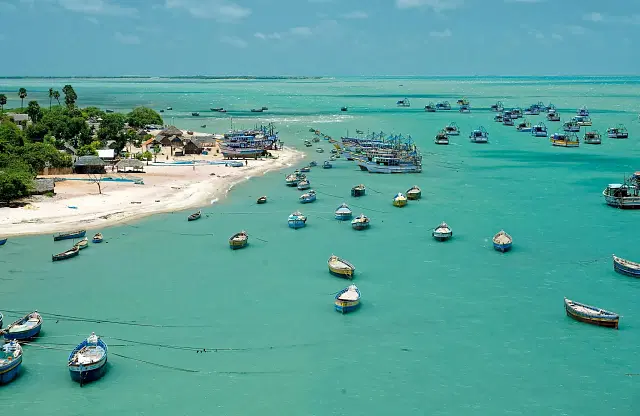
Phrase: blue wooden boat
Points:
(313, 163)
(343, 212)
(497, 107)
(479, 135)
(327, 165)
(305, 169)
(361, 222)
(308, 197)
(583, 111)
(348, 299)
(24, 328)
(10, 361)
(516, 113)
(539, 130)
(502, 241)
(358, 190)
(443, 106)
(72, 252)
(239, 240)
(70, 235)
(88, 360)
(507, 120)
(97, 238)
(591, 314)
(1, 318)
(626, 267)
(452, 129)
(2, 241)
(304, 184)
(297, 220)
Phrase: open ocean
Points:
(451, 328)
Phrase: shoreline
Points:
(78, 204)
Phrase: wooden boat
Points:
(507, 120)
(571, 126)
(70, 235)
(239, 240)
(583, 111)
(498, 118)
(194, 216)
(327, 165)
(479, 135)
(442, 232)
(443, 106)
(403, 103)
(340, 267)
(88, 360)
(591, 314)
(305, 169)
(97, 238)
(462, 101)
(358, 190)
(293, 178)
(565, 140)
(217, 109)
(399, 200)
(361, 222)
(502, 241)
(430, 108)
(3, 241)
(304, 184)
(532, 110)
(539, 130)
(622, 195)
(348, 299)
(257, 110)
(619, 132)
(592, 137)
(344, 109)
(452, 129)
(169, 108)
(497, 107)
(82, 244)
(72, 252)
(10, 361)
(297, 220)
(320, 150)
(204, 126)
(553, 116)
(313, 163)
(414, 193)
(626, 267)
(27, 327)
(524, 126)
(308, 197)
(343, 212)
(262, 200)
(516, 113)
(195, 114)
(465, 108)
(442, 138)
(582, 120)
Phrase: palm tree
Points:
(56, 96)
(22, 93)
(3, 101)
(50, 97)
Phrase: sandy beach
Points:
(78, 203)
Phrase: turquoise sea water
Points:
(450, 328)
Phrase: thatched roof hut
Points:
(89, 164)
(170, 131)
(192, 147)
(130, 165)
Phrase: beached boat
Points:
(626, 267)
(343, 212)
(304, 184)
(313, 164)
(443, 106)
(619, 132)
(502, 241)
(414, 193)
(516, 113)
(498, 107)
(195, 114)
(24, 328)
(399, 200)
(70, 235)
(344, 109)
(88, 360)
(194, 216)
(592, 137)
(97, 238)
(430, 108)
(442, 232)
(571, 126)
(441, 138)
(348, 299)
(297, 220)
(539, 130)
(524, 126)
(358, 190)
(11, 360)
(623, 195)
(238, 240)
(583, 111)
(565, 140)
(590, 314)
(340, 267)
(507, 120)
(257, 110)
(553, 117)
(403, 103)
(72, 252)
(582, 120)
(479, 135)
(452, 129)
(308, 197)
(82, 244)
(326, 165)
(361, 222)
(262, 200)
(3, 241)
(498, 118)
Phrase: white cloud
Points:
(593, 17)
(220, 10)
(524, 1)
(301, 31)
(7, 6)
(92, 20)
(234, 41)
(259, 35)
(436, 5)
(596, 17)
(444, 34)
(127, 39)
(356, 14)
(264, 36)
(98, 7)
(557, 36)
(576, 30)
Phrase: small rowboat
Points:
(414, 193)
(591, 314)
(2, 241)
(297, 220)
(194, 216)
(1, 317)
(361, 222)
(72, 252)
(97, 238)
(10, 361)
(88, 360)
(626, 267)
(70, 235)
(326, 165)
(304, 184)
(239, 240)
(340, 267)
(313, 163)
(348, 299)
(442, 232)
(320, 150)
(305, 169)
(452, 129)
(399, 200)
(82, 244)
(308, 197)
(343, 212)
(358, 190)
(26, 327)
(262, 200)
(502, 241)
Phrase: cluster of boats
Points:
(478, 135)
(624, 195)
(378, 153)
(80, 245)
(463, 106)
(254, 143)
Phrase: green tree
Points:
(70, 95)
(92, 112)
(10, 136)
(87, 150)
(16, 178)
(56, 96)
(156, 149)
(34, 111)
(112, 129)
(36, 132)
(141, 116)
(50, 97)
(3, 101)
(22, 93)
(37, 155)
(147, 156)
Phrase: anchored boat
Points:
(361, 222)
(326, 165)
(10, 361)
(194, 216)
(414, 193)
(262, 200)
(24, 328)
(358, 190)
(239, 240)
(304, 184)
(623, 195)
(343, 212)
(88, 360)
(524, 126)
(297, 220)
(498, 107)
(340, 267)
(443, 106)
(452, 129)
(403, 103)
(97, 238)
(430, 108)
(626, 267)
(3, 241)
(502, 242)
(532, 110)
(72, 252)
(479, 135)
(565, 140)
(465, 108)
(348, 299)
(442, 232)
(553, 116)
(619, 132)
(308, 197)
(507, 119)
(498, 118)
(571, 126)
(539, 130)
(70, 235)
(583, 111)
(516, 113)
(592, 137)
(399, 200)
(442, 138)
(590, 314)
(82, 244)
(582, 120)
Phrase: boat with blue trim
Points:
(452, 129)
(72, 252)
(442, 138)
(340, 267)
(414, 193)
(465, 108)
(97, 238)
(297, 220)
(479, 135)
(10, 361)
(358, 190)
(348, 299)
(571, 126)
(399, 200)
(343, 212)
(626, 267)
(498, 118)
(3, 241)
(618, 132)
(293, 179)
(443, 106)
(70, 235)
(88, 360)
(498, 107)
(430, 108)
(327, 165)
(524, 126)
(392, 163)
(592, 137)
(624, 195)
(565, 140)
(304, 184)
(313, 164)
(507, 120)
(308, 197)
(539, 130)
(239, 240)
(591, 314)
(442, 232)
(403, 103)
(532, 110)
(582, 120)
(82, 244)
(553, 117)
(27, 327)
(583, 111)
(502, 241)
(361, 222)
(516, 113)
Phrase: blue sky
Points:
(319, 37)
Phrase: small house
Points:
(89, 164)
(192, 147)
(106, 154)
(130, 165)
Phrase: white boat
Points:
(592, 137)
(479, 135)
(442, 138)
(452, 129)
(442, 232)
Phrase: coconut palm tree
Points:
(50, 97)
(22, 93)
(56, 96)
(3, 101)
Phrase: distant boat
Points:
(265, 108)
(583, 111)
(217, 109)
(465, 108)
(591, 314)
(622, 195)
(462, 101)
(88, 360)
(203, 126)
(293, 179)
(442, 232)
(1, 317)
(238, 240)
(82, 244)
(582, 120)
(304, 184)
(262, 200)
(430, 108)
(571, 126)
(502, 241)
(619, 132)
(565, 140)
(72, 252)
(553, 116)
(10, 361)
(344, 109)
(340, 267)
(97, 238)
(626, 267)
(162, 111)
(414, 193)
(507, 119)
(70, 235)
(358, 190)
(348, 299)
(297, 220)
(443, 106)
(169, 108)
(592, 137)
(498, 118)
(308, 197)
(108, 111)
(452, 129)
(313, 163)
(3, 241)
(327, 165)
(343, 212)
(479, 135)
(194, 216)
(532, 110)
(195, 114)
(24, 328)
(315, 139)
(257, 110)
(361, 222)
(442, 138)
(320, 150)
(403, 103)
(498, 107)
(524, 126)
(399, 200)
(516, 113)
(539, 130)
(305, 169)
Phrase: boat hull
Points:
(360, 226)
(307, 200)
(344, 273)
(375, 168)
(57, 257)
(346, 306)
(234, 245)
(358, 192)
(627, 271)
(295, 224)
(399, 203)
(630, 202)
(344, 217)
(96, 240)
(503, 248)
(3, 241)
(414, 196)
(87, 374)
(61, 237)
(609, 323)
(24, 335)
(9, 372)
(442, 236)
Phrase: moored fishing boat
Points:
(498, 107)
(571, 126)
(292, 179)
(532, 110)
(27, 327)
(592, 137)
(195, 216)
(590, 314)
(626, 267)
(358, 190)
(414, 193)
(340, 267)
(452, 129)
(430, 108)
(1, 320)
(582, 120)
(462, 101)
(10, 361)
(88, 360)
(297, 220)
(361, 222)
(326, 165)
(308, 197)
(442, 138)
(443, 106)
(82, 244)
(583, 111)
(238, 240)
(498, 118)
(262, 200)
(524, 126)
(313, 163)
(442, 232)
(502, 241)
(539, 130)
(320, 150)
(565, 140)
(516, 113)
(399, 200)
(403, 103)
(72, 252)
(348, 299)
(553, 116)
(70, 235)
(479, 135)
(465, 108)
(3, 241)
(304, 184)
(618, 132)
(308, 143)
(507, 120)
(97, 238)
(305, 169)
(623, 195)
(195, 114)
(343, 212)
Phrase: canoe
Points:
(26, 327)
(88, 360)
(442, 232)
(238, 240)
(297, 220)
(399, 200)
(2, 241)
(348, 299)
(626, 267)
(343, 212)
(414, 193)
(194, 216)
(308, 197)
(97, 238)
(361, 222)
(340, 267)
(72, 252)
(10, 361)
(358, 190)
(70, 235)
(82, 244)
(305, 169)
(502, 241)
(591, 314)
(262, 200)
